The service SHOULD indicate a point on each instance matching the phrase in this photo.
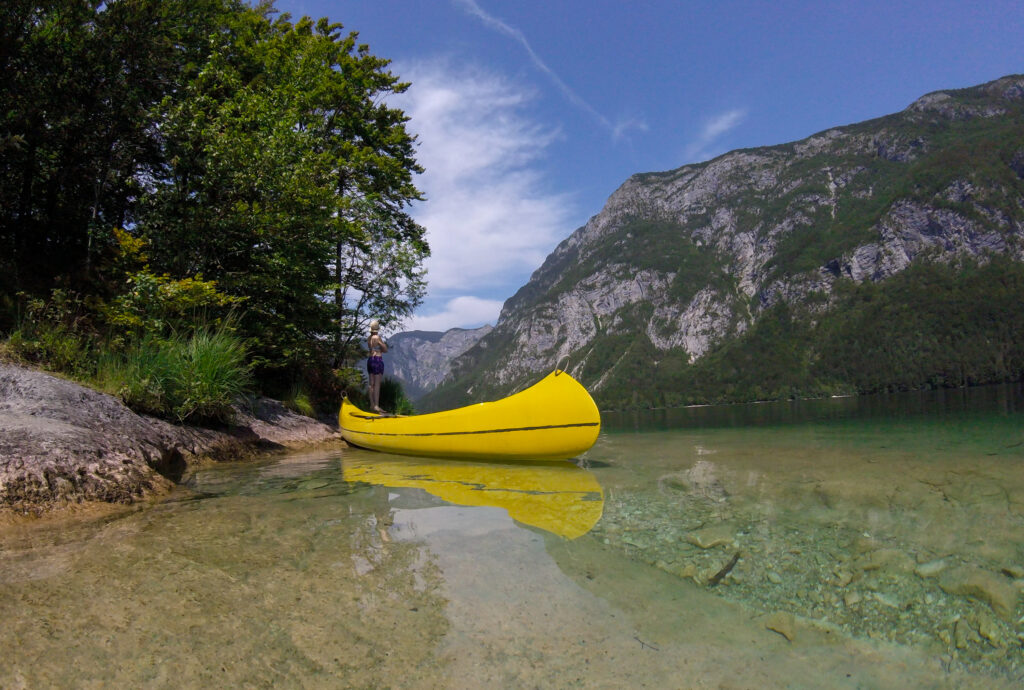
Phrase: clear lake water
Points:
(868, 542)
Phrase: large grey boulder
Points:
(62, 443)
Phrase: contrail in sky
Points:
(714, 128)
(515, 34)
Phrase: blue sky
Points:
(530, 114)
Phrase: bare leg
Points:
(375, 380)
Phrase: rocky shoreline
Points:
(63, 445)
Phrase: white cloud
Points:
(461, 312)
(490, 215)
(703, 147)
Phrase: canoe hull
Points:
(555, 419)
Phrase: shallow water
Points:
(884, 535)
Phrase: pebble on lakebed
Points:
(710, 537)
(783, 623)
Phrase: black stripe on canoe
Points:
(484, 431)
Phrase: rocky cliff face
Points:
(420, 360)
(691, 258)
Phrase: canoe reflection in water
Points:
(558, 497)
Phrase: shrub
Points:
(212, 374)
(54, 334)
(155, 305)
(298, 400)
(393, 399)
(352, 385)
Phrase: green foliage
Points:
(393, 398)
(154, 305)
(54, 333)
(287, 181)
(933, 325)
(299, 400)
(255, 160)
(193, 379)
(351, 383)
(78, 81)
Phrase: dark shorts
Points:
(375, 365)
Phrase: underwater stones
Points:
(690, 571)
(851, 599)
(675, 481)
(774, 577)
(989, 629)
(709, 537)
(783, 623)
(987, 587)
(864, 543)
(931, 568)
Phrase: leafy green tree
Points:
(378, 276)
(287, 182)
(78, 79)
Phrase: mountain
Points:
(420, 360)
(882, 255)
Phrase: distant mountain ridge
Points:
(420, 360)
(695, 284)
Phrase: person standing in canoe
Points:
(375, 364)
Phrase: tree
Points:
(379, 277)
(78, 79)
(287, 172)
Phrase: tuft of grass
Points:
(193, 379)
(393, 398)
(298, 400)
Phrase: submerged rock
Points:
(1013, 570)
(709, 537)
(886, 559)
(964, 634)
(989, 629)
(931, 568)
(783, 623)
(994, 590)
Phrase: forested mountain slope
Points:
(877, 256)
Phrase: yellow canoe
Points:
(555, 419)
(558, 497)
